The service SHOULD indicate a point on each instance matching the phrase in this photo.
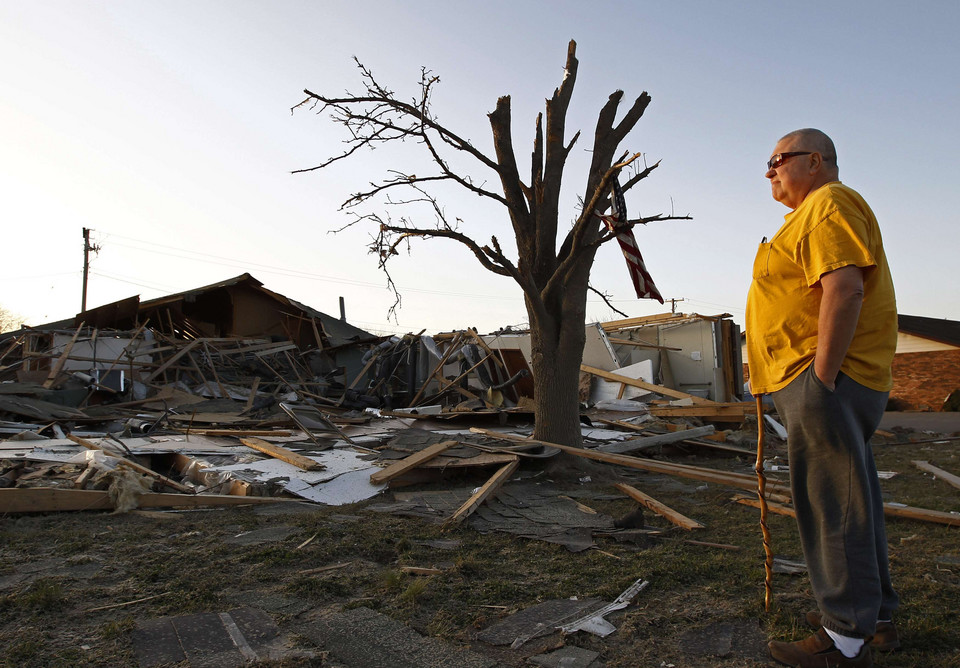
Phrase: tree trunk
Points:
(556, 353)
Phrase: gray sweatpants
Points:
(836, 494)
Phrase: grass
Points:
(44, 618)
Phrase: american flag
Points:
(642, 281)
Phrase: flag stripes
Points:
(642, 281)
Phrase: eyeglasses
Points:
(781, 158)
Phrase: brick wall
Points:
(921, 381)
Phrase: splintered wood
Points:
(664, 511)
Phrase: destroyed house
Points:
(147, 341)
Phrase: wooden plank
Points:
(90, 445)
(776, 508)
(631, 323)
(82, 479)
(638, 344)
(481, 495)
(483, 459)
(436, 369)
(288, 456)
(253, 394)
(402, 466)
(53, 500)
(910, 512)
(660, 439)
(664, 511)
(58, 366)
(946, 476)
(889, 509)
(242, 432)
(721, 412)
(634, 382)
(173, 359)
(739, 480)
(719, 437)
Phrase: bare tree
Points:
(554, 278)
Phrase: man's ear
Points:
(816, 162)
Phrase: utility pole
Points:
(673, 304)
(86, 265)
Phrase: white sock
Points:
(849, 647)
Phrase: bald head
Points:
(802, 162)
(810, 139)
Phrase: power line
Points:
(284, 271)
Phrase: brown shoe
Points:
(885, 637)
(817, 651)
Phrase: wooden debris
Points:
(889, 509)
(633, 382)
(717, 412)
(416, 459)
(283, 454)
(90, 445)
(237, 433)
(664, 511)
(58, 366)
(660, 439)
(739, 480)
(125, 604)
(936, 516)
(82, 479)
(772, 507)
(324, 569)
(481, 495)
(946, 476)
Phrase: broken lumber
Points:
(777, 508)
(945, 476)
(242, 432)
(660, 439)
(400, 467)
(889, 509)
(664, 511)
(172, 360)
(717, 412)
(936, 516)
(491, 486)
(634, 382)
(139, 468)
(288, 456)
(58, 366)
(739, 480)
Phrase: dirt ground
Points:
(84, 589)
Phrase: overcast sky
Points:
(166, 128)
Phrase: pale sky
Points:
(165, 127)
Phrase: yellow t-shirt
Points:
(832, 228)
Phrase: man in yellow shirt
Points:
(821, 331)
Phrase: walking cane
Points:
(761, 492)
